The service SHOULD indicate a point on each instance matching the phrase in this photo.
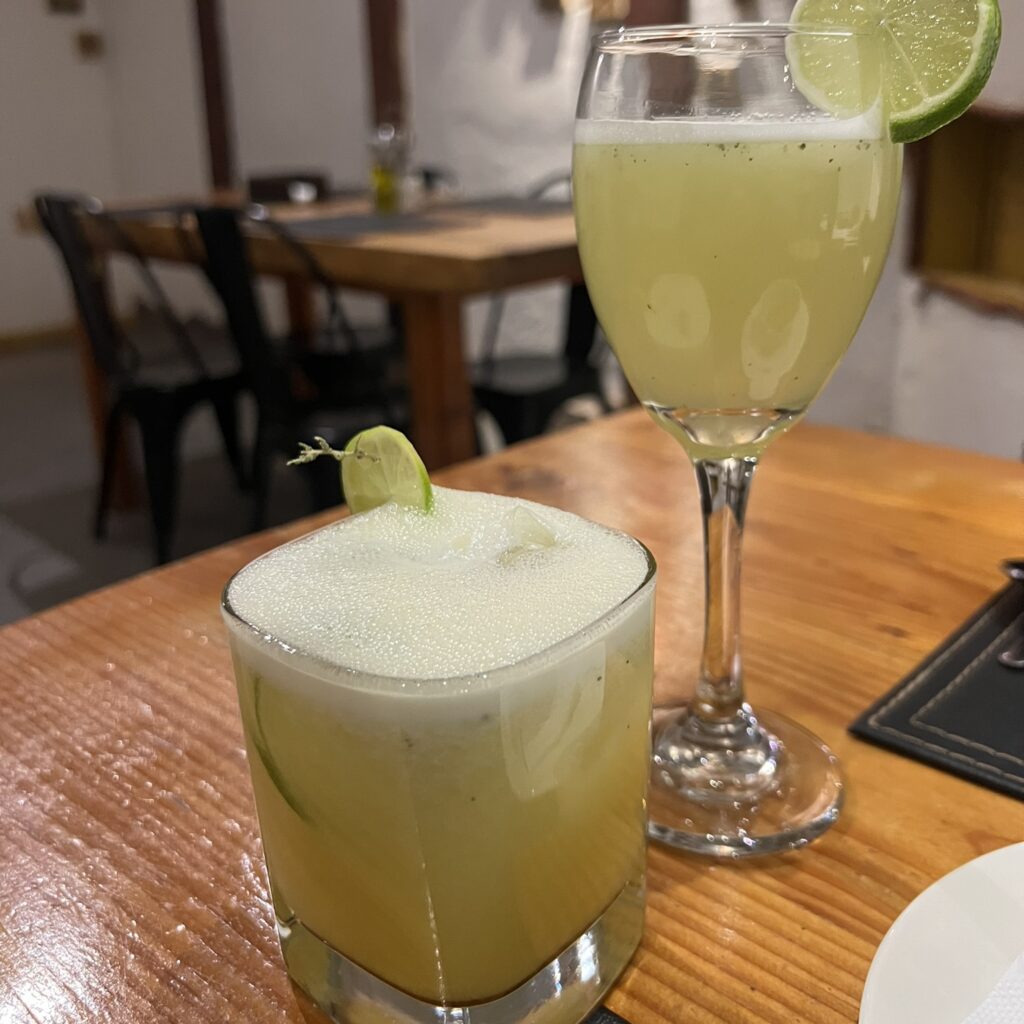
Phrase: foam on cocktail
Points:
(481, 582)
(731, 129)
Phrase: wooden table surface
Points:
(131, 883)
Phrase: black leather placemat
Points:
(960, 709)
(353, 225)
(602, 1015)
(525, 205)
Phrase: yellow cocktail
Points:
(731, 263)
(446, 715)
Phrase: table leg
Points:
(442, 402)
(298, 293)
(126, 484)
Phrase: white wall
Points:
(493, 87)
(155, 92)
(298, 83)
(56, 129)
(1005, 89)
(960, 376)
(862, 392)
(159, 128)
(126, 124)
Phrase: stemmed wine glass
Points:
(732, 229)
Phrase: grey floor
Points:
(48, 488)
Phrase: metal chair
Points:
(522, 392)
(300, 187)
(156, 374)
(332, 393)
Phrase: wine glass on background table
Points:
(732, 232)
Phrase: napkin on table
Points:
(1005, 1003)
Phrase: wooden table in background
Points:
(131, 883)
(428, 267)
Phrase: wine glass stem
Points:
(724, 488)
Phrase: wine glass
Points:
(732, 227)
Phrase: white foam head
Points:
(481, 582)
(732, 129)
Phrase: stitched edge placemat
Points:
(960, 710)
(602, 1015)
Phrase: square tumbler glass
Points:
(467, 848)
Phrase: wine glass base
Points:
(791, 792)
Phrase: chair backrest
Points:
(288, 187)
(580, 319)
(340, 335)
(230, 273)
(580, 327)
(60, 216)
(64, 217)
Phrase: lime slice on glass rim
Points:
(377, 466)
(937, 56)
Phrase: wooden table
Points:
(131, 884)
(428, 265)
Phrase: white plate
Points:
(946, 951)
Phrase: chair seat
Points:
(163, 367)
(369, 337)
(523, 375)
(522, 392)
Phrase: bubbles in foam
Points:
(481, 582)
(737, 129)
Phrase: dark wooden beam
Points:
(385, 35)
(656, 12)
(219, 127)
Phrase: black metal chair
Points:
(156, 375)
(333, 391)
(523, 391)
(300, 187)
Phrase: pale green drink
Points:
(446, 715)
(731, 262)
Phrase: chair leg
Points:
(225, 405)
(261, 467)
(111, 439)
(160, 454)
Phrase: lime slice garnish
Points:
(937, 57)
(255, 725)
(384, 467)
(377, 466)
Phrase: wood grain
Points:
(131, 884)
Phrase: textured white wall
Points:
(56, 129)
(493, 87)
(1005, 89)
(863, 391)
(298, 81)
(960, 375)
(159, 128)
(156, 101)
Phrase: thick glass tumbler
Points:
(442, 844)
